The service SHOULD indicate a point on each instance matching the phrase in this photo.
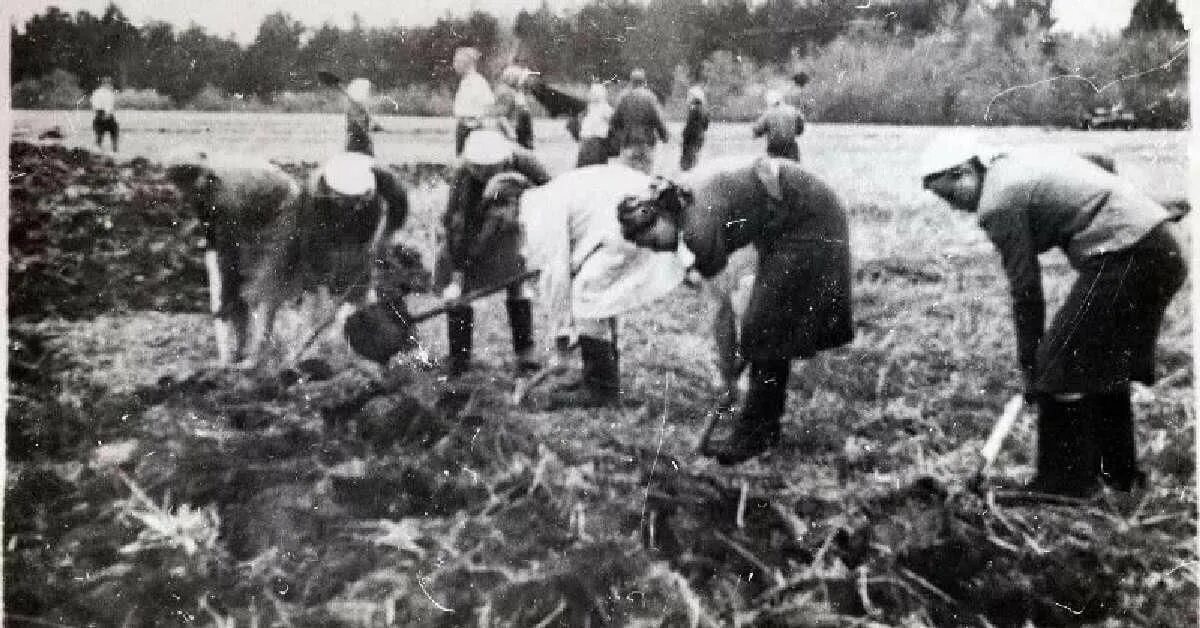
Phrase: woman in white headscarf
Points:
(590, 274)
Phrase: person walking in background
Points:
(104, 104)
(358, 117)
(781, 124)
(693, 129)
(512, 103)
(593, 130)
(795, 95)
(637, 124)
(474, 100)
(1130, 264)
(483, 245)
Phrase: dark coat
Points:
(800, 303)
(637, 119)
(482, 263)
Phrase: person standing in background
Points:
(513, 105)
(795, 95)
(358, 118)
(637, 123)
(104, 104)
(694, 128)
(593, 130)
(781, 124)
(473, 100)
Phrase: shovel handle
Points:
(471, 296)
(991, 447)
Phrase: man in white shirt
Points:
(474, 99)
(104, 103)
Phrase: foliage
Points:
(906, 61)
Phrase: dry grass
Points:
(399, 500)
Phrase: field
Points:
(146, 487)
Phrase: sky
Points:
(241, 17)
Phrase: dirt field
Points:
(147, 488)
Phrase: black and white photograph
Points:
(583, 313)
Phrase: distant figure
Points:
(781, 123)
(104, 103)
(795, 96)
(694, 128)
(358, 118)
(474, 99)
(637, 124)
(593, 130)
(512, 103)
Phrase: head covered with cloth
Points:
(1129, 263)
(800, 304)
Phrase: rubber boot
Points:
(758, 428)
(460, 327)
(520, 321)
(1113, 416)
(1068, 462)
(601, 382)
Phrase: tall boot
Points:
(1113, 416)
(601, 381)
(1068, 462)
(520, 321)
(460, 327)
(758, 428)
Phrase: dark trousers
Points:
(106, 123)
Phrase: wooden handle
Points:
(471, 296)
(991, 447)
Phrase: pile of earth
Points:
(89, 235)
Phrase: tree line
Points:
(676, 41)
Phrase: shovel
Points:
(991, 447)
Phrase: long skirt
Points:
(800, 303)
(1104, 335)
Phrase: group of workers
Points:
(608, 237)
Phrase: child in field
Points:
(513, 104)
(781, 124)
(358, 118)
(1130, 264)
(693, 129)
(482, 243)
(104, 104)
(474, 100)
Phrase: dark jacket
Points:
(358, 130)
(466, 215)
(801, 298)
(1030, 203)
(637, 119)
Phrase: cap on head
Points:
(800, 79)
(638, 76)
(349, 174)
(359, 90)
(515, 75)
(949, 149)
(773, 97)
(486, 147)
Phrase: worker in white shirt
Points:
(474, 99)
(104, 103)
